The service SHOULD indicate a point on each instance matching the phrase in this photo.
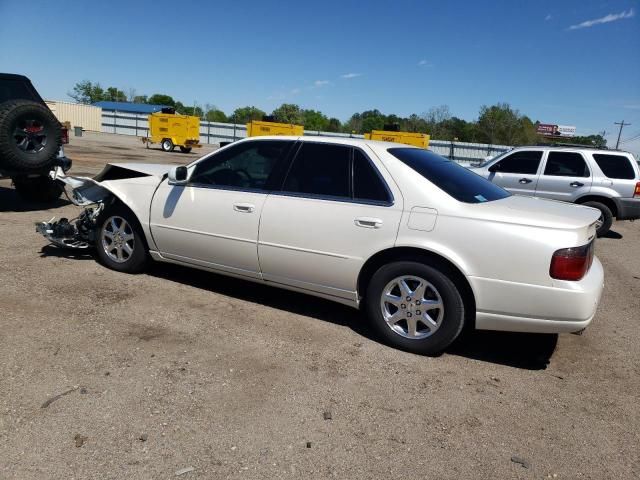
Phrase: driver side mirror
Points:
(494, 168)
(178, 175)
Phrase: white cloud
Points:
(351, 75)
(321, 83)
(547, 18)
(424, 63)
(612, 17)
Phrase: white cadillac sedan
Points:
(421, 244)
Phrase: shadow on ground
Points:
(518, 350)
(10, 201)
(613, 235)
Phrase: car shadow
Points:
(10, 201)
(518, 350)
(612, 234)
(72, 253)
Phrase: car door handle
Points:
(368, 222)
(524, 181)
(243, 207)
(576, 184)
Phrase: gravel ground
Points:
(110, 376)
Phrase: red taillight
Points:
(571, 263)
(65, 135)
(637, 192)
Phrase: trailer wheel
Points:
(185, 149)
(167, 145)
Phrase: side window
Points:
(246, 165)
(320, 169)
(524, 162)
(615, 166)
(566, 164)
(367, 183)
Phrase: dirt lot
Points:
(111, 376)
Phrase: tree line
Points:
(498, 124)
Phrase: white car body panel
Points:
(314, 245)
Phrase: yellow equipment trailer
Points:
(408, 138)
(172, 130)
(257, 128)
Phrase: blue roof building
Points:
(130, 107)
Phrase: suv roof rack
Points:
(573, 145)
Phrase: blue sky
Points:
(565, 62)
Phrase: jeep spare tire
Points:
(30, 135)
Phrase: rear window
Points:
(457, 181)
(615, 166)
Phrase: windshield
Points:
(459, 182)
(489, 160)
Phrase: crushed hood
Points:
(119, 171)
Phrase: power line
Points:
(622, 124)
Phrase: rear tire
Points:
(120, 243)
(606, 218)
(37, 189)
(30, 135)
(425, 316)
(185, 149)
(167, 145)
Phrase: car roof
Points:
(346, 140)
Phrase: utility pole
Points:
(622, 124)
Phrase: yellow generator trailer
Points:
(257, 128)
(408, 138)
(172, 130)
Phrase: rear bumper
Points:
(517, 307)
(628, 208)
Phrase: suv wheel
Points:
(30, 135)
(120, 242)
(606, 217)
(415, 307)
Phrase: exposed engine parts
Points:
(77, 233)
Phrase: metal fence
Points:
(126, 123)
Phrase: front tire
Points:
(606, 217)
(167, 145)
(415, 307)
(120, 242)
(185, 149)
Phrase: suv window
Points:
(367, 183)
(247, 165)
(524, 162)
(615, 166)
(457, 181)
(566, 164)
(321, 169)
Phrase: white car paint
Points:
(319, 246)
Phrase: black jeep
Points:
(31, 140)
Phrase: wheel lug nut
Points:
(403, 306)
(408, 314)
(418, 302)
(417, 312)
(408, 298)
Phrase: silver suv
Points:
(608, 180)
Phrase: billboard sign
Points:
(551, 130)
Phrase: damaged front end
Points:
(78, 233)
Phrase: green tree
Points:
(87, 92)
(288, 113)
(162, 99)
(140, 99)
(113, 94)
(333, 125)
(500, 124)
(315, 120)
(215, 115)
(246, 114)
